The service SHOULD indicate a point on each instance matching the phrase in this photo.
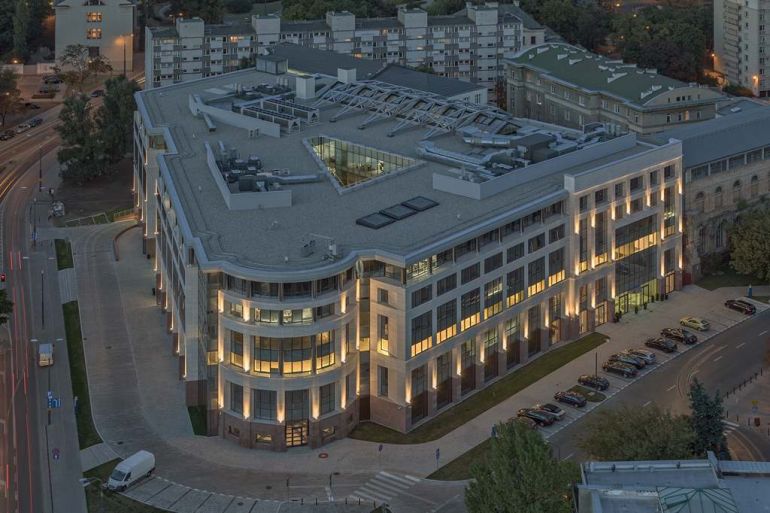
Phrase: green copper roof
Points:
(703, 500)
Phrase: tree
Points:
(210, 11)
(239, 6)
(706, 419)
(6, 307)
(638, 434)
(21, 29)
(750, 245)
(114, 119)
(520, 475)
(76, 66)
(10, 96)
(738, 90)
(81, 153)
(7, 13)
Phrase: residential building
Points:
(726, 171)
(105, 27)
(742, 43)
(562, 84)
(330, 250)
(469, 45)
(688, 486)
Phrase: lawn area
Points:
(484, 399)
(63, 254)
(198, 419)
(727, 277)
(590, 394)
(460, 467)
(87, 435)
(107, 501)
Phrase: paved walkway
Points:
(129, 363)
(99, 454)
(68, 287)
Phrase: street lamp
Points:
(123, 37)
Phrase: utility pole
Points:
(40, 168)
(42, 297)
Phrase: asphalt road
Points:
(720, 363)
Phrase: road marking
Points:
(731, 424)
(719, 348)
(669, 389)
(717, 359)
(762, 333)
(568, 456)
(646, 404)
(740, 345)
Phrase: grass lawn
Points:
(484, 399)
(63, 254)
(589, 393)
(460, 467)
(727, 277)
(105, 501)
(87, 435)
(198, 419)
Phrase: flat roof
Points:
(428, 82)
(595, 72)
(271, 239)
(325, 62)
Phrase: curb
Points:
(115, 250)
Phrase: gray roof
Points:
(413, 79)
(325, 62)
(594, 72)
(735, 105)
(721, 137)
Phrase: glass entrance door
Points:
(296, 433)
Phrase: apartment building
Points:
(562, 84)
(330, 250)
(105, 27)
(469, 45)
(742, 43)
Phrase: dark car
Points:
(621, 369)
(31, 105)
(7, 134)
(524, 420)
(52, 79)
(593, 381)
(741, 306)
(552, 409)
(571, 398)
(97, 93)
(542, 418)
(644, 354)
(628, 359)
(35, 122)
(661, 344)
(679, 334)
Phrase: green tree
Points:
(6, 307)
(21, 29)
(638, 434)
(738, 90)
(210, 11)
(10, 99)
(239, 6)
(706, 419)
(114, 119)
(81, 153)
(750, 245)
(520, 475)
(76, 66)
(7, 12)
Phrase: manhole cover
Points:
(323, 455)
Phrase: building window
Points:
(515, 283)
(583, 203)
(446, 321)
(619, 193)
(721, 235)
(636, 183)
(668, 172)
(267, 354)
(94, 33)
(493, 262)
(263, 404)
(536, 243)
(536, 277)
(470, 273)
(556, 234)
(468, 366)
(382, 380)
(654, 177)
(325, 355)
(236, 348)
(299, 316)
(297, 404)
(383, 334)
(93, 17)
(446, 284)
(422, 331)
(556, 271)
(700, 202)
(469, 309)
(326, 397)
(754, 187)
(382, 296)
(236, 398)
(422, 295)
(515, 252)
(297, 355)
(737, 191)
(718, 198)
(493, 298)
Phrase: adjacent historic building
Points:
(742, 43)
(562, 84)
(469, 45)
(331, 250)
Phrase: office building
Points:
(105, 27)
(331, 250)
(469, 45)
(741, 43)
(688, 486)
(562, 84)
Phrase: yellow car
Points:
(695, 323)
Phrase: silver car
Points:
(646, 355)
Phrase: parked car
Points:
(130, 470)
(45, 355)
(550, 408)
(628, 359)
(35, 122)
(661, 344)
(648, 356)
(7, 134)
(747, 303)
(52, 79)
(593, 381)
(22, 128)
(524, 420)
(741, 306)
(621, 369)
(542, 418)
(679, 334)
(571, 398)
(97, 93)
(695, 323)
(30, 105)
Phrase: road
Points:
(721, 363)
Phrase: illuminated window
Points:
(236, 348)
(515, 282)
(324, 349)
(422, 328)
(297, 355)
(267, 355)
(94, 17)
(556, 272)
(469, 309)
(94, 33)
(493, 298)
(536, 277)
(446, 321)
(383, 328)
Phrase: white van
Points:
(45, 355)
(130, 470)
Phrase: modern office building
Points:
(688, 486)
(726, 171)
(469, 45)
(330, 250)
(105, 27)
(562, 84)
(741, 43)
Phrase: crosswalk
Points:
(384, 486)
(729, 426)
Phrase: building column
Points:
(479, 364)
(432, 399)
(456, 376)
(501, 347)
